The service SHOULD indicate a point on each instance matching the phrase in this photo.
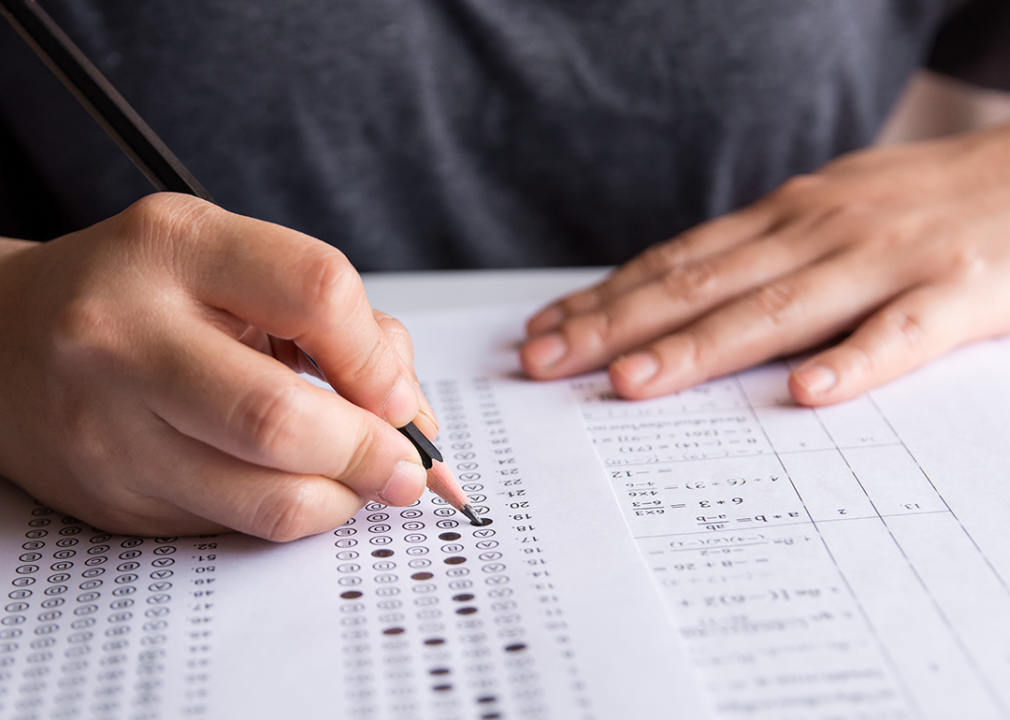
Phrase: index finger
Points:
(298, 288)
(698, 243)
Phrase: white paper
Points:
(402, 613)
(846, 562)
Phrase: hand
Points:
(905, 248)
(147, 378)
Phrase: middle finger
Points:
(589, 340)
(793, 313)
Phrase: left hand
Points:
(907, 249)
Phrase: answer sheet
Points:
(402, 613)
(717, 553)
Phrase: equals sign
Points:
(678, 507)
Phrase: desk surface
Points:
(397, 293)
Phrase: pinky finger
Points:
(914, 328)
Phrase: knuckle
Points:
(266, 422)
(333, 289)
(396, 331)
(384, 320)
(666, 256)
(167, 216)
(699, 351)
(581, 302)
(853, 212)
(591, 333)
(359, 448)
(861, 359)
(967, 264)
(801, 196)
(779, 304)
(84, 332)
(364, 448)
(288, 513)
(905, 327)
(693, 351)
(884, 238)
(894, 329)
(365, 367)
(694, 286)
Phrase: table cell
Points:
(827, 486)
(793, 429)
(893, 480)
(857, 423)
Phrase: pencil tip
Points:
(471, 515)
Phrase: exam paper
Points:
(402, 613)
(844, 562)
(716, 553)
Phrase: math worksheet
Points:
(717, 553)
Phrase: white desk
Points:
(397, 293)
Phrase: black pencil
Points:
(166, 172)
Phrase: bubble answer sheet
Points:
(401, 613)
(716, 553)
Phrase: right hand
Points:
(148, 384)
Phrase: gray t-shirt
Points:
(461, 133)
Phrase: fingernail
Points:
(639, 368)
(426, 418)
(817, 379)
(404, 485)
(546, 320)
(546, 351)
(401, 404)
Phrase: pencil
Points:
(167, 173)
(441, 481)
